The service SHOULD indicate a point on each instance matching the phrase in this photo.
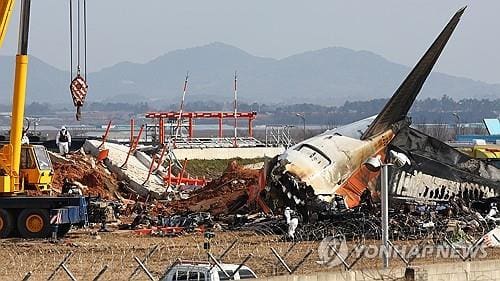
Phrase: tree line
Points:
(444, 110)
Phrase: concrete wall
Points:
(458, 271)
(227, 153)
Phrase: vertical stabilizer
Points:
(398, 106)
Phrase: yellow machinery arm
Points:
(10, 154)
(29, 216)
(6, 7)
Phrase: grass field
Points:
(215, 168)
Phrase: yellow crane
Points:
(23, 166)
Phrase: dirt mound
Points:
(220, 196)
(98, 180)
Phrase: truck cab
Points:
(203, 271)
(36, 168)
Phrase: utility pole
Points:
(384, 201)
(374, 164)
(457, 127)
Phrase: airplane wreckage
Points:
(328, 172)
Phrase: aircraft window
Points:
(246, 274)
(315, 155)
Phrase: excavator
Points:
(28, 167)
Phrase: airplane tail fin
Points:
(398, 106)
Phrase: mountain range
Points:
(327, 76)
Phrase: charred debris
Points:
(229, 203)
(323, 184)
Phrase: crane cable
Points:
(78, 86)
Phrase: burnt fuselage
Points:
(325, 171)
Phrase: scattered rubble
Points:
(134, 172)
(226, 203)
(455, 220)
(94, 180)
(225, 195)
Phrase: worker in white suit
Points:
(63, 141)
(292, 220)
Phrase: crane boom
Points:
(6, 7)
(29, 216)
(10, 179)
(19, 96)
(11, 153)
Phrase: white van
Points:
(194, 271)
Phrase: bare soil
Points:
(97, 179)
(221, 195)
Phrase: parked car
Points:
(203, 271)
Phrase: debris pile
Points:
(409, 220)
(226, 195)
(229, 202)
(126, 165)
(80, 169)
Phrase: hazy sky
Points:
(138, 31)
